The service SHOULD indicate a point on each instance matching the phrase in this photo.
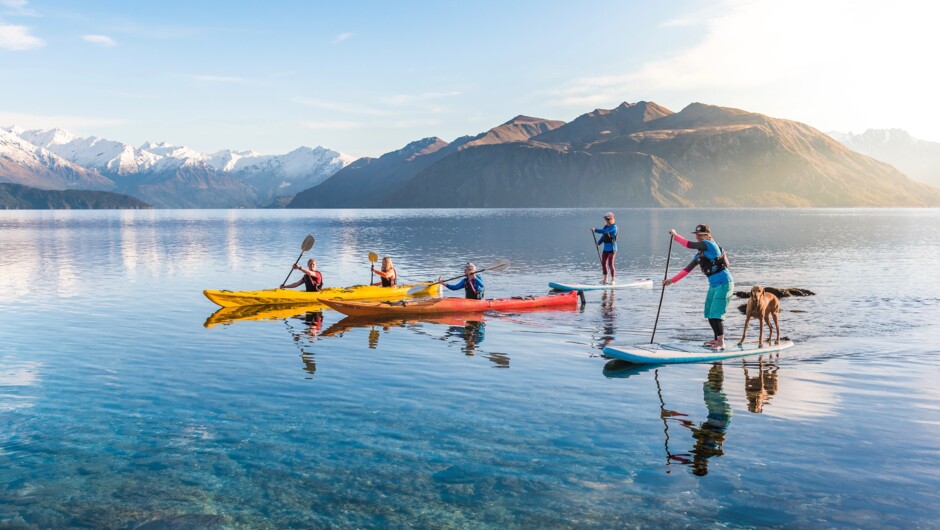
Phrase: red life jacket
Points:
(313, 284)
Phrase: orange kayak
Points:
(436, 306)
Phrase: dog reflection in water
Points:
(762, 387)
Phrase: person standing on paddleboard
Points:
(714, 263)
(388, 276)
(312, 278)
(471, 283)
(609, 239)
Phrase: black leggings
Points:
(717, 325)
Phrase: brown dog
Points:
(761, 305)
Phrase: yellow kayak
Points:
(290, 296)
(228, 315)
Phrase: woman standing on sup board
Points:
(609, 239)
(714, 264)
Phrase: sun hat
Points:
(609, 215)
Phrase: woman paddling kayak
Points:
(714, 264)
(388, 277)
(471, 283)
(312, 279)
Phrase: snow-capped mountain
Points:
(161, 173)
(22, 162)
(918, 159)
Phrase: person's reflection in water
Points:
(314, 321)
(310, 364)
(373, 338)
(710, 434)
(472, 332)
(608, 316)
(761, 388)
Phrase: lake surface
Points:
(126, 403)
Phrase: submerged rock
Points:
(779, 292)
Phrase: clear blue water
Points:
(121, 409)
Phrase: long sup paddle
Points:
(665, 275)
(497, 266)
(597, 248)
(305, 246)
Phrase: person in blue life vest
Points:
(713, 261)
(388, 277)
(471, 283)
(609, 240)
(312, 278)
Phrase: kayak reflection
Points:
(467, 330)
(229, 315)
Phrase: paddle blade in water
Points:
(418, 288)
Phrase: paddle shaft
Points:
(665, 275)
(597, 248)
(292, 268)
(459, 277)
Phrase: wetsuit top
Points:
(709, 252)
(389, 282)
(314, 283)
(608, 237)
(474, 289)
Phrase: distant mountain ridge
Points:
(167, 175)
(637, 154)
(918, 159)
(367, 182)
(20, 197)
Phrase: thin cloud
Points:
(341, 37)
(407, 99)
(340, 107)
(338, 125)
(223, 79)
(678, 23)
(71, 123)
(18, 38)
(18, 8)
(100, 40)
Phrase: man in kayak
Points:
(714, 264)
(609, 239)
(388, 277)
(312, 278)
(471, 283)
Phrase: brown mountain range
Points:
(638, 154)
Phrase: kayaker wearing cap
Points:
(609, 239)
(714, 263)
(312, 278)
(388, 276)
(471, 283)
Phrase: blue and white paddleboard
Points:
(687, 352)
(638, 282)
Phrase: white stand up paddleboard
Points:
(638, 282)
(687, 352)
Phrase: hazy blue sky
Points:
(368, 77)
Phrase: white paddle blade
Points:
(307, 244)
(498, 266)
(418, 288)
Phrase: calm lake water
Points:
(126, 403)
